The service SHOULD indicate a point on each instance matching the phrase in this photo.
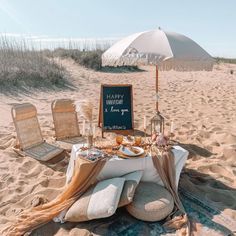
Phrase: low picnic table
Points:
(118, 166)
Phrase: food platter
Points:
(129, 152)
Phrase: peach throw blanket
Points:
(84, 176)
(164, 163)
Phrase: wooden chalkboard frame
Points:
(100, 118)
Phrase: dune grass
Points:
(225, 60)
(92, 59)
(25, 68)
(22, 67)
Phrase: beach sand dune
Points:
(201, 104)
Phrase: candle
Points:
(144, 123)
(83, 128)
(94, 130)
(158, 130)
(172, 127)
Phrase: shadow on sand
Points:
(121, 69)
(195, 150)
(21, 90)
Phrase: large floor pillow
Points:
(131, 182)
(151, 202)
(99, 201)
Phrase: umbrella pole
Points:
(157, 109)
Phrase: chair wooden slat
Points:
(65, 121)
(27, 126)
(29, 134)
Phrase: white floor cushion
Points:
(131, 182)
(99, 201)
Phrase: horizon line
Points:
(47, 42)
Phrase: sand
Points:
(201, 104)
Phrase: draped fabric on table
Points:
(84, 176)
(165, 165)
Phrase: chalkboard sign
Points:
(116, 107)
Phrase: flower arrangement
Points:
(85, 108)
(160, 140)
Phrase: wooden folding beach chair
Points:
(29, 137)
(66, 123)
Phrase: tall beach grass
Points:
(24, 67)
(28, 64)
(225, 60)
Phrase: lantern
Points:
(157, 124)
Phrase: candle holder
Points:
(94, 135)
(83, 128)
(157, 124)
(90, 135)
(145, 126)
(145, 133)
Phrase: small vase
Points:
(90, 136)
(90, 141)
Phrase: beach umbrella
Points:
(165, 50)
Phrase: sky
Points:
(210, 23)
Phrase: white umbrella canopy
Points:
(166, 50)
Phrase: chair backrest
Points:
(65, 119)
(26, 124)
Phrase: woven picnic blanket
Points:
(201, 214)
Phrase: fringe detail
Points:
(163, 64)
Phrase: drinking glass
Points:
(137, 140)
(119, 139)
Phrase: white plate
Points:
(126, 151)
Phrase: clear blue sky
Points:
(211, 23)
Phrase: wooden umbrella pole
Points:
(157, 109)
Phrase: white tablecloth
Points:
(117, 166)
